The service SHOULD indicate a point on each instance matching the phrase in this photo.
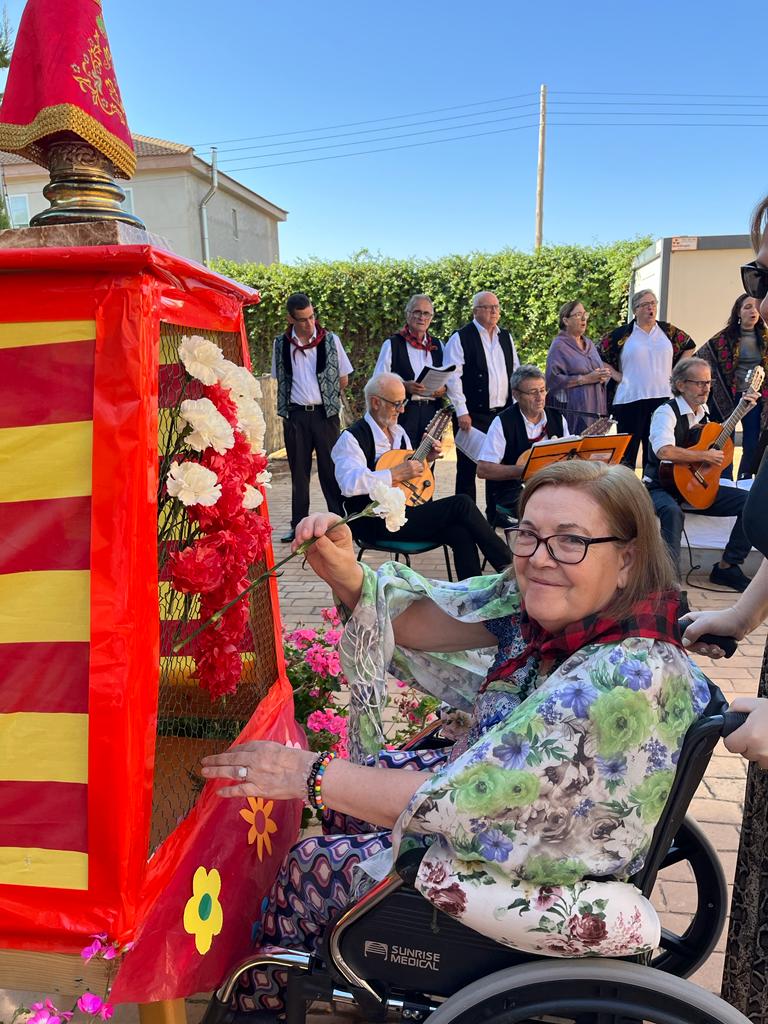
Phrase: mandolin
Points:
(696, 483)
(419, 489)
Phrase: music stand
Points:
(608, 449)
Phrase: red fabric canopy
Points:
(62, 79)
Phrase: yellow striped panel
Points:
(174, 605)
(46, 332)
(45, 607)
(169, 426)
(51, 460)
(53, 869)
(38, 747)
(179, 670)
(169, 350)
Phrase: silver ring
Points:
(242, 773)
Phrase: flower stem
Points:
(300, 550)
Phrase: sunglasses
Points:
(754, 277)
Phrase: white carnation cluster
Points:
(194, 484)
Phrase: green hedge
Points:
(362, 299)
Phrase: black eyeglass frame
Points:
(586, 541)
(397, 405)
(754, 278)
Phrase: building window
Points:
(18, 211)
(235, 232)
(128, 201)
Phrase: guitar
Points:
(697, 482)
(418, 489)
(601, 426)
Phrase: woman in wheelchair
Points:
(578, 694)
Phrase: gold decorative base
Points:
(82, 187)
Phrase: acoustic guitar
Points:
(601, 426)
(418, 489)
(697, 482)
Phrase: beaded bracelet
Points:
(315, 779)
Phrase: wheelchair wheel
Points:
(685, 953)
(584, 992)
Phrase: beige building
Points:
(696, 279)
(166, 192)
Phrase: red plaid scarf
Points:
(320, 333)
(654, 617)
(426, 342)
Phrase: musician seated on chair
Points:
(455, 521)
(673, 431)
(512, 433)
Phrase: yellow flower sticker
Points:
(262, 826)
(203, 916)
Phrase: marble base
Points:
(76, 235)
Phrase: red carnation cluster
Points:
(216, 564)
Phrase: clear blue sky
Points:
(201, 73)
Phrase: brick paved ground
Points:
(717, 806)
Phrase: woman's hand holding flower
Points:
(332, 556)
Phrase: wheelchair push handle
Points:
(733, 720)
(727, 644)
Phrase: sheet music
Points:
(434, 377)
(470, 442)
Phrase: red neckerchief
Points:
(320, 333)
(654, 617)
(427, 345)
(543, 434)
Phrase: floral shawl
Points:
(532, 828)
(722, 354)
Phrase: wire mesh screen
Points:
(190, 723)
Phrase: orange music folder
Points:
(608, 449)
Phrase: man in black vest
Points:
(513, 432)
(406, 353)
(484, 356)
(455, 521)
(311, 368)
(672, 431)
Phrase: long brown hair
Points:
(629, 511)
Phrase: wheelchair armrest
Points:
(407, 863)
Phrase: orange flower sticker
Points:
(262, 825)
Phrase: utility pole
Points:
(540, 171)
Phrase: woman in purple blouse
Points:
(576, 375)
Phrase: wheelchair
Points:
(394, 956)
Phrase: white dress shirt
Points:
(663, 422)
(646, 365)
(495, 443)
(304, 387)
(352, 473)
(498, 378)
(417, 357)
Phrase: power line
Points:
(387, 149)
(369, 131)
(356, 124)
(406, 135)
(690, 95)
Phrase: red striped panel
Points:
(47, 677)
(46, 815)
(49, 384)
(42, 535)
(172, 631)
(170, 383)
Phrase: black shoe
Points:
(732, 577)
(289, 537)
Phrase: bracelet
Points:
(315, 779)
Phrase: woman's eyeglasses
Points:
(568, 548)
(754, 277)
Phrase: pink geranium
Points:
(302, 638)
(331, 616)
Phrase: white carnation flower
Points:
(250, 419)
(240, 381)
(264, 478)
(209, 428)
(252, 497)
(390, 505)
(201, 358)
(193, 484)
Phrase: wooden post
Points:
(164, 1011)
(540, 170)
